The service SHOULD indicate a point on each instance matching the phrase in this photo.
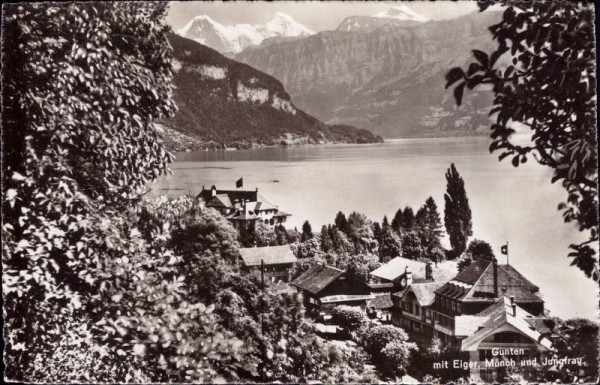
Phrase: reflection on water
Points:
(518, 205)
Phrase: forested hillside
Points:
(223, 103)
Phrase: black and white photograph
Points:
(319, 192)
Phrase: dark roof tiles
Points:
(317, 278)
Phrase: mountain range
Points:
(400, 16)
(226, 104)
(235, 38)
(387, 78)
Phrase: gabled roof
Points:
(383, 301)
(472, 273)
(234, 195)
(497, 316)
(317, 278)
(424, 292)
(260, 206)
(396, 268)
(272, 255)
(281, 287)
(476, 283)
(221, 200)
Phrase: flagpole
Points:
(507, 253)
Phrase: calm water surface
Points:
(313, 183)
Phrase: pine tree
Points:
(377, 230)
(457, 213)
(397, 221)
(385, 222)
(390, 245)
(341, 222)
(326, 241)
(433, 224)
(306, 232)
(420, 226)
(408, 218)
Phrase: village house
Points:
(400, 272)
(276, 260)
(324, 287)
(242, 207)
(484, 308)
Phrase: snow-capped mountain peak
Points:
(283, 24)
(402, 12)
(236, 38)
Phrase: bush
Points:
(348, 317)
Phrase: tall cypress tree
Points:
(457, 213)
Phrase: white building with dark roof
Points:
(242, 207)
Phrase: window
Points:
(416, 309)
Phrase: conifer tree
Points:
(326, 242)
(408, 218)
(397, 221)
(341, 222)
(385, 222)
(457, 213)
(306, 232)
(433, 224)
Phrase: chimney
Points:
(213, 191)
(514, 305)
(257, 189)
(428, 271)
(495, 262)
(245, 207)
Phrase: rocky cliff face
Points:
(223, 103)
(389, 79)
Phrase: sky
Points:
(318, 16)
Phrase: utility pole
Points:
(262, 302)
(262, 318)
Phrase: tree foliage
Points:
(411, 245)
(543, 75)
(457, 213)
(479, 249)
(306, 231)
(82, 85)
(348, 317)
(390, 245)
(389, 347)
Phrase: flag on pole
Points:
(239, 183)
(504, 249)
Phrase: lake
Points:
(313, 183)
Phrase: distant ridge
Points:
(226, 104)
(385, 73)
